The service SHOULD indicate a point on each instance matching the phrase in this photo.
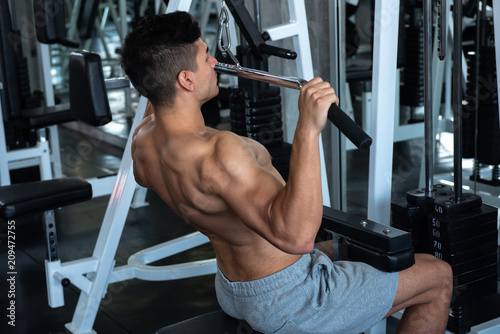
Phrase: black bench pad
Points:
(383, 247)
(216, 322)
(38, 196)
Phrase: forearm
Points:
(287, 216)
(297, 210)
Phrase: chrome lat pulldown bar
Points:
(250, 73)
(338, 117)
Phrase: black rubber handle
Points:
(349, 128)
(277, 51)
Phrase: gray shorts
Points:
(313, 295)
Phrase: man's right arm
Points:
(289, 217)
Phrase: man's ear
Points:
(186, 80)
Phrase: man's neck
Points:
(184, 118)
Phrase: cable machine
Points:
(452, 225)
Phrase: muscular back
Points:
(193, 173)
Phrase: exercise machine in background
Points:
(445, 221)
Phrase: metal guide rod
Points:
(479, 13)
(442, 28)
(340, 119)
(457, 99)
(428, 130)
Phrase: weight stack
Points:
(237, 111)
(488, 137)
(411, 218)
(410, 214)
(465, 235)
(412, 91)
(486, 102)
(19, 136)
(469, 110)
(263, 116)
(258, 116)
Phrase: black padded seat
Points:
(216, 322)
(38, 196)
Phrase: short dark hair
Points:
(157, 50)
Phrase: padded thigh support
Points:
(32, 197)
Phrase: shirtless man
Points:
(262, 229)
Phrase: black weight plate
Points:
(475, 275)
(470, 254)
(264, 101)
(263, 110)
(263, 119)
(476, 263)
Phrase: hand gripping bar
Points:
(338, 117)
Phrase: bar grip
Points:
(343, 122)
(349, 128)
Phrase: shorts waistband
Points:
(282, 280)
